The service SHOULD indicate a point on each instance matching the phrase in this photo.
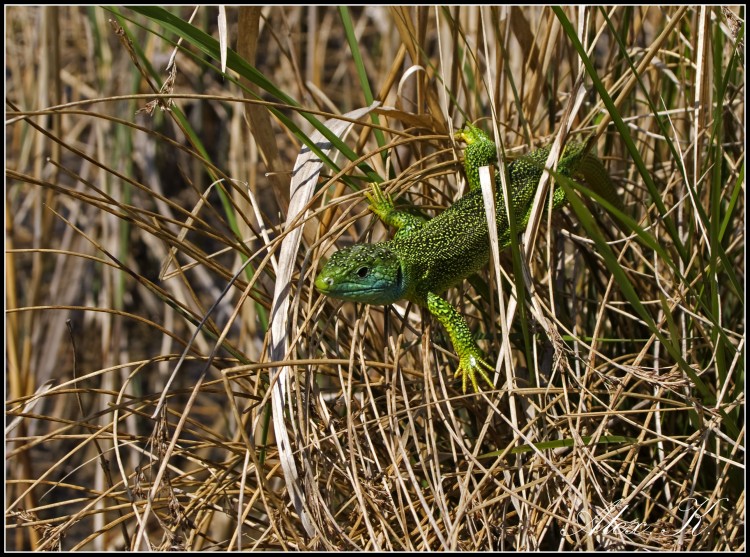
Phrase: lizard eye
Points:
(362, 272)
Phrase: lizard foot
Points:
(469, 367)
(471, 134)
(380, 203)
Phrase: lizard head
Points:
(368, 273)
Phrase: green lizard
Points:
(426, 257)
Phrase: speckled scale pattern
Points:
(426, 257)
(369, 273)
(455, 243)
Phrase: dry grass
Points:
(149, 257)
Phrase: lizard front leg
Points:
(469, 355)
(382, 205)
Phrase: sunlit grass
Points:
(161, 223)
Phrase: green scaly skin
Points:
(426, 257)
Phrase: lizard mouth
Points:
(378, 292)
(344, 291)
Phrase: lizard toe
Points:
(472, 365)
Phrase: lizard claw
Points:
(470, 365)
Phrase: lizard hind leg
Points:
(480, 151)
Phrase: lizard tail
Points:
(597, 177)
